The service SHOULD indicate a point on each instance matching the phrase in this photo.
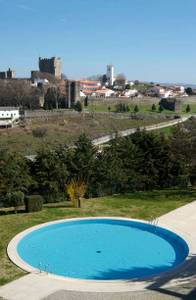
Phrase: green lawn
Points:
(102, 106)
(192, 107)
(141, 205)
(167, 130)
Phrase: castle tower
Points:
(51, 66)
(110, 74)
(11, 74)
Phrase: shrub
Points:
(136, 109)
(78, 106)
(122, 107)
(33, 203)
(39, 132)
(76, 191)
(161, 108)
(154, 107)
(188, 108)
(16, 199)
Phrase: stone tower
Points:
(51, 66)
(110, 74)
(73, 92)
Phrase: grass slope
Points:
(65, 130)
(141, 205)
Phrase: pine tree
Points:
(160, 108)
(14, 173)
(154, 107)
(50, 174)
(136, 109)
(188, 108)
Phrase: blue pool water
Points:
(102, 249)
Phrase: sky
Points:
(149, 40)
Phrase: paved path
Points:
(107, 138)
(181, 285)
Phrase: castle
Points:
(51, 66)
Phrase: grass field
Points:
(65, 130)
(141, 205)
(102, 106)
(167, 130)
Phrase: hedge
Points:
(33, 203)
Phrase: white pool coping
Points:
(107, 285)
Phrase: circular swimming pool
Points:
(102, 249)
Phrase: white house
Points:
(103, 93)
(131, 93)
(9, 116)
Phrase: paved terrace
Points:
(181, 284)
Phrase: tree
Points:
(156, 164)
(76, 190)
(78, 106)
(160, 108)
(109, 108)
(81, 160)
(86, 101)
(136, 109)
(122, 107)
(50, 174)
(52, 97)
(154, 107)
(16, 199)
(188, 108)
(19, 93)
(104, 79)
(189, 91)
(183, 143)
(112, 174)
(14, 173)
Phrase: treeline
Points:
(142, 161)
(19, 93)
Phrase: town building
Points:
(130, 93)
(89, 86)
(9, 116)
(51, 66)
(104, 93)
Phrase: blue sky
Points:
(152, 40)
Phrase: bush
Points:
(121, 107)
(136, 109)
(188, 108)
(33, 203)
(154, 107)
(160, 108)
(16, 199)
(76, 191)
(39, 132)
(78, 106)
